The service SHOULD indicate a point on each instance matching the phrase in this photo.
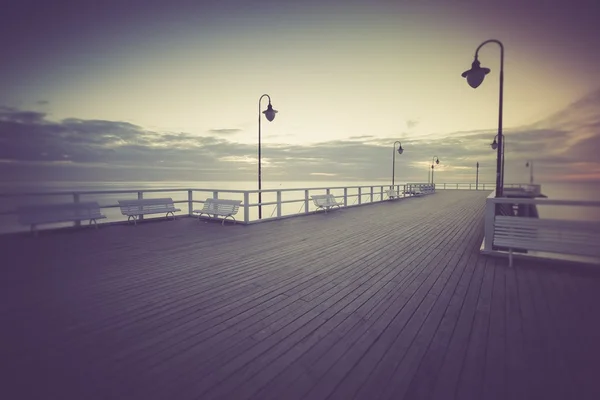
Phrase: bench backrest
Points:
(62, 212)
(221, 206)
(548, 235)
(129, 207)
(324, 200)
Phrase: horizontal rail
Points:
(542, 201)
(566, 216)
(280, 200)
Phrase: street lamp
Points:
(270, 115)
(400, 150)
(437, 161)
(475, 77)
(530, 165)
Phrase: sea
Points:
(31, 192)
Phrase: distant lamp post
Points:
(477, 177)
(270, 115)
(475, 77)
(530, 165)
(400, 150)
(437, 161)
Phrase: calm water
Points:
(563, 191)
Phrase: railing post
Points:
(359, 195)
(306, 204)
(469, 186)
(215, 194)
(371, 194)
(380, 193)
(190, 202)
(345, 197)
(488, 219)
(76, 200)
(246, 207)
(279, 204)
(444, 186)
(140, 197)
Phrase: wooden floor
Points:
(385, 301)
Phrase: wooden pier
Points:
(385, 301)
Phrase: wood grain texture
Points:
(384, 301)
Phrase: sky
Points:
(156, 90)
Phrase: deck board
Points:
(391, 300)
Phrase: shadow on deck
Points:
(391, 300)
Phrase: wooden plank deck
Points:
(385, 301)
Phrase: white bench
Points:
(136, 208)
(55, 213)
(579, 238)
(325, 201)
(419, 189)
(220, 208)
(392, 194)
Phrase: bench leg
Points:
(228, 216)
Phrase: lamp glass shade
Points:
(437, 161)
(400, 149)
(475, 78)
(494, 145)
(476, 74)
(270, 112)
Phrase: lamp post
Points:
(270, 115)
(475, 77)
(400, 150)
(494, 146)
(437, 161)
(477, 177)
(530, 165)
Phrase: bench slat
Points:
(147, 206)
(325, 201)
(54, 213)
(548, 235)
(220, 207)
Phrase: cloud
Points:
(411, 123)
(226, 131)
(362, 137)
(8, 114)
(560, 145)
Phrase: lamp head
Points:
(476, 74)
(400, 149)
(494, 144)
(437, 160)
(270, 112)
(527, 164)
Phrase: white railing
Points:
(561, 212)
(473, 186)
(276, 203)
